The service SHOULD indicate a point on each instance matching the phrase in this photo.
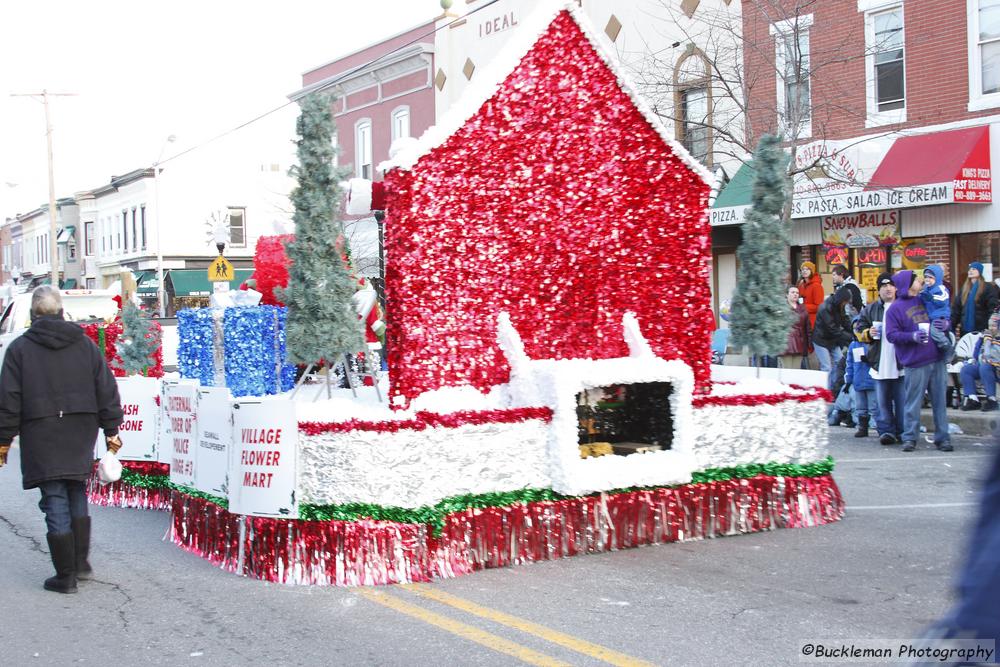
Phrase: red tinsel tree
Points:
(271, 267)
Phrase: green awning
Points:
(737, 192)
(147, 283)
(65, 234)
(734, 200)
(194, 282)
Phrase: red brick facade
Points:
(939, 252)
(936, 65)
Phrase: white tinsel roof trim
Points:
(505, 62)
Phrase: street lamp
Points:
(160, 294)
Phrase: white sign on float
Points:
(181, 410)
(263, 459)
(215, 435)
(165, 440)
(139, 431)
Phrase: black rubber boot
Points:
(63, 554)
(862, 431)
(81, 541)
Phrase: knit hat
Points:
(812, 267)
(978, 266)
(884, 278)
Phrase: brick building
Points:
(380, 93)
(890, 106)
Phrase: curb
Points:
(981, 424)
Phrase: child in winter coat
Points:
(937, 301)
(858, 376)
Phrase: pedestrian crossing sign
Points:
(220, 270)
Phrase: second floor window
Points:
(135, 235)
(363, 165)
(794, 94)
(124, 246)
(237, 227)
(400, 123)
(886, 48)
(694, 122)
(795, 76)
(988, 46)
(142, 216)
(88, 236)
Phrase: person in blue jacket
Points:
(858, 376)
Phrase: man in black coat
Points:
(55, 391)
(832, 332)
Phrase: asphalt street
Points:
(885, 571)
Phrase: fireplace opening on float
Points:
(624, 419)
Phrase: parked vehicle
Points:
(79, 305)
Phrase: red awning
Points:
(960, 158)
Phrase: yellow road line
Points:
(567, 641)
(464, 631)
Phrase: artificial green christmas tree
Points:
(322, 321)
(760, 317)
(138, 342)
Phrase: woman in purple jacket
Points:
(924, 367)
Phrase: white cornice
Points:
(404, 61)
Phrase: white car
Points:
(79, 305)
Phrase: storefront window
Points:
(983, 248)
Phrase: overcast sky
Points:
(144, 71)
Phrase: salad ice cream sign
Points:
(861, 230)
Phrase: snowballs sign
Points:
(180, 410)
(263, 459)
(861, 230)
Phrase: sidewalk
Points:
(975, 423)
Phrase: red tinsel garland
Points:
(581, 213)
(811, 394)
(148, 467)
(424, 420)
(366, 552)
(107, 333)
(122, 494)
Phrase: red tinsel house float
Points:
(553, 193)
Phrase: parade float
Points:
(549, 391)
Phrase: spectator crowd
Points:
(884, 359)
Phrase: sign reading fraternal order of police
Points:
(263, 459)
(181, 410)
(139, 429)
(215, 435)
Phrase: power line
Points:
(329, 84)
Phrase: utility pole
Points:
(53, 229)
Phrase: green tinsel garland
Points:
(435, 515)
(139, 480)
